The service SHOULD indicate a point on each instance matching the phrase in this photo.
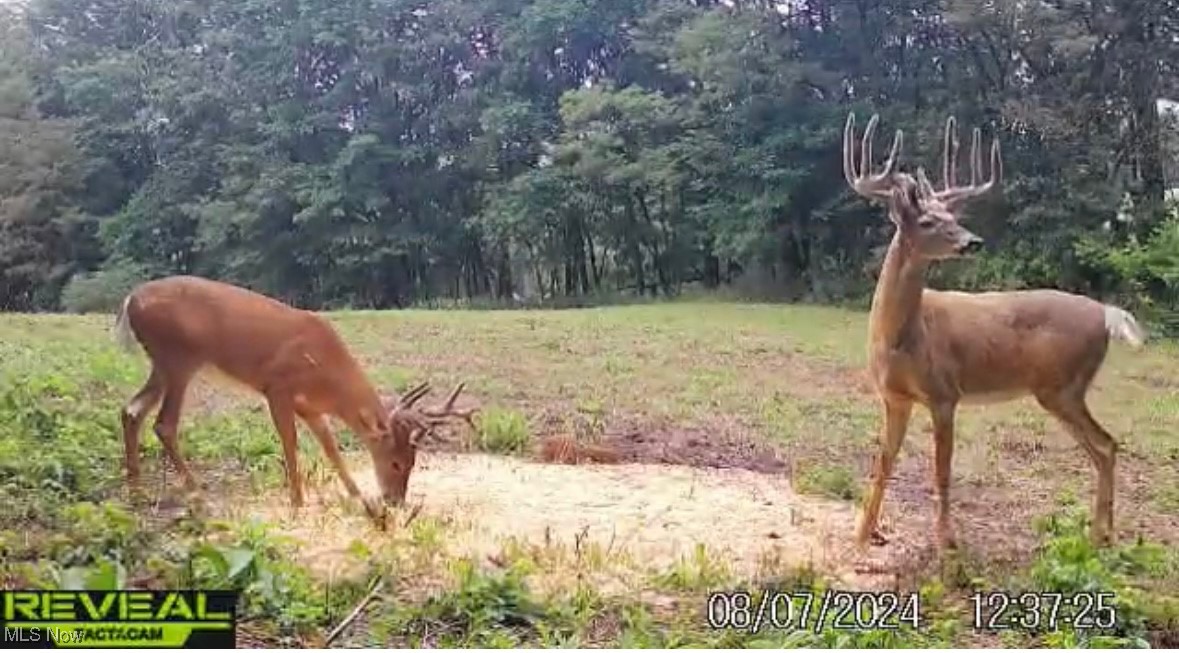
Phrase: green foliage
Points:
(557, 152)
(1149, 269)
(486, 610)
(101, 291)
(274, 587)
(828, 480)
(1068, 563)
(502, 430)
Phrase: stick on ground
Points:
(368, 598)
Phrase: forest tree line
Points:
(380, 153)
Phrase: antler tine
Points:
(440, 415)
(950, 154)
(414, 395)
(858, 176)
(453, 395)
(866, 147)
(996, 162)
(954, 196)
(923, 186)
(849, 164)
(975, 157)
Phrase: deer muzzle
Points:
(971, 244)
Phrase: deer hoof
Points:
(377, 511)
(876, 538)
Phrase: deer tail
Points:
(124, 332)
(1120, 324)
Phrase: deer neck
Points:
(896, 305)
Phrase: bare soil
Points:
(721, 445)
(647, 517)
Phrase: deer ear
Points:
(415, 436)
(372, 422)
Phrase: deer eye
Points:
(925, 223)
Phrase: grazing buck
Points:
(293, 358)
(942, 348)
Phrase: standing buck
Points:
(942, 348)
(293, 358)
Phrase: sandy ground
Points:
(652, 515)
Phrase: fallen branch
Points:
(368, 598)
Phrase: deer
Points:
(293, 358)
(943, 348)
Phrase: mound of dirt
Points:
(652, 515)
(694, 447)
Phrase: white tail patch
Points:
(124, 332)
(1120, 324)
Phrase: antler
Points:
(440, 415)
(954, 196)
(413, 395)
(877, 186)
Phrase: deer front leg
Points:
(327, 441)
(282, 412)
(942, 416)
(896, 423)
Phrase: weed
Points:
(502, 431)
(487, 610)
(829, 481)
(701, 571)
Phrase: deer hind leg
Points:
(1073, 414)
(282, 412)
(943, 453)
(896, 423)
(167, 426)
(132, 417)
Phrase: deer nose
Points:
(973, 244)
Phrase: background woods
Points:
(378, 153)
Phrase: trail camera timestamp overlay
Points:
(1043, 611)
(758, 611)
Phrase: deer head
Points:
(927, 219)
(407, 427)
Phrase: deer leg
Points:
(132, 417)
(282, 412)
(942, 416)
(327, 441)
(896, 423)
(168, 424)
(1074, 415)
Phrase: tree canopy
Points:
(378, 153)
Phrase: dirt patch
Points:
(721, 445)
(652, 516)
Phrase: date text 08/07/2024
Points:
(848, 610)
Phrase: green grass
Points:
(787, 374)
(503, 431)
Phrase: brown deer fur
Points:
(293, 358)
(943, 348)
(567, 450)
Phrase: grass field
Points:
(746, 433)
